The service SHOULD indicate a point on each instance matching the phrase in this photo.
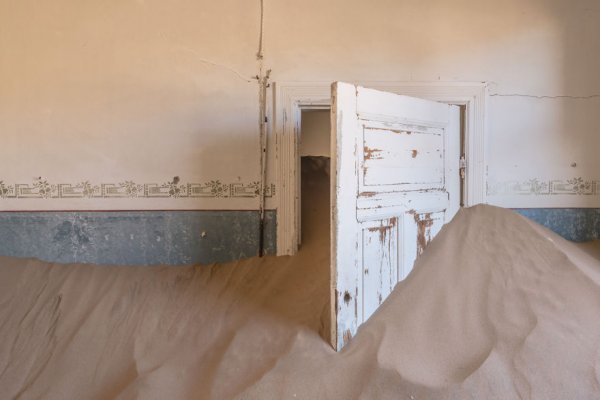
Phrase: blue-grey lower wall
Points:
(135, 237)
(576, 224)
(176, 237)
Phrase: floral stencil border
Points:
(575, 186)
(41, 188)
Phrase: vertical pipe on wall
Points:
(263, 84)
(259, 53)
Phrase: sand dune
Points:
(591, 248)
(496, 308)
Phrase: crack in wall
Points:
(493, 87)
(214, 64)
(532, 96)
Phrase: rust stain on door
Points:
(423, 231)
(347, 336)
(347, 297)
(367, 194)
(384, 229)
(372, 154)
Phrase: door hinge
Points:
(462, 166)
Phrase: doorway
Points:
(314, 238)
(314, 158)
(395, 181)
(290, 99)
(314, 163)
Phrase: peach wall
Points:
(103, 104)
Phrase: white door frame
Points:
(290, 98)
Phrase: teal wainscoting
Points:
(135, 237)
(576, 224)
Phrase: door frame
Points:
(291, 98)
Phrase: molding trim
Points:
(536, 187)
(289, 101)
(41, 188)
(290, 98)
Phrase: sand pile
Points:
(592, 248)
(496, 308)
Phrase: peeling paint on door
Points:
(372, 154)
(374, 239)
(424, 224)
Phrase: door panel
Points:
(403, 159)
(380, 271)
(395, 182)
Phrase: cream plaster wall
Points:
(145, 90)
(116, 91)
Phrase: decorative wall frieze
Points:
(575, 186)
(41, 188)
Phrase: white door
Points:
(395, 182)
